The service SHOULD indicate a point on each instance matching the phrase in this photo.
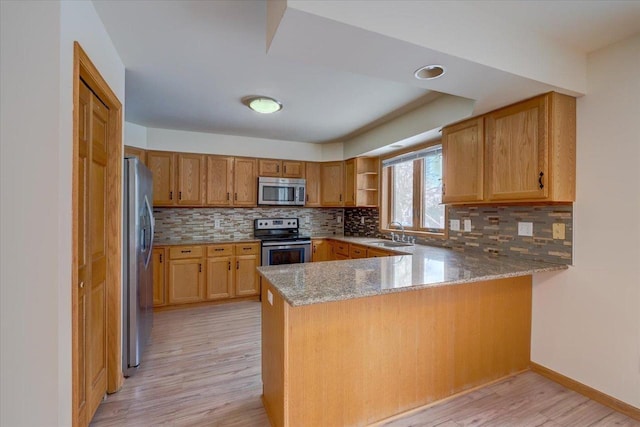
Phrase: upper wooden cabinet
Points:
(313, 184)
(161, 164)
(521, 153)
(350, 182)
(191, 179)
(463, 161)
(331, 183)
(530, 150)
(280, 168)
(135, 152)
(219, 181)
(245, 182)
(361, 182)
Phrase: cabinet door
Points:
(517, 151)
(331, 187)
(320, 250)
(291, 169)
(161, 164)
(350, 182)
(190, 179)
(312, 171)
(220, 272)
(135, 152)
(186, 279)
(269, 167)
(159, 290)
(246, 277)
(245, 182)
(219, 181)
(463, 162)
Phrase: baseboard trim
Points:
(591, 393)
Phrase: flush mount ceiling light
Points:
(262, 104)
(429, 72)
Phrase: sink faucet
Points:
(393, 235)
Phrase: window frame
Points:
(386, 196)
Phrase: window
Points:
(412, 191)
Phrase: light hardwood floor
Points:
(202, 368)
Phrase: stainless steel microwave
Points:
(281, 191)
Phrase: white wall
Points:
(37, 105)
(586, 321)
(135, 135)
(211, 143)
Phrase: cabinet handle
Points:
(443, 186)
(219, 249)
(227, 196)
(170, 195)
(235, 196)
(340, 197)
(186, 252)
(229, 265)
(237, 265)
(285, 168)
(314, 249)
(540, 180)
(307, 197)
(179, 195)
(277, 168)
(160, 258)
(200, 268)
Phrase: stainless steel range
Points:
(281, 241)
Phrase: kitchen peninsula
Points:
(355, 342)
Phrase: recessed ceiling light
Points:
(429, 72)
(263, 104)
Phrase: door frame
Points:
(84, 69)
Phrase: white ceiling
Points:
(189, 63)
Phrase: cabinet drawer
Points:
(248, 249)
(179, 252)
(342, 248)
(357, 251)
(220, 250)
(376, 253)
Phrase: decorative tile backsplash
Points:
(494, 229)
(175, 224)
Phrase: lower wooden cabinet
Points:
(186, 280)
(159, 283)
(205, 273)
(320, 250)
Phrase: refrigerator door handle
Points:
(152, 227)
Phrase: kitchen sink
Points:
(390, 244)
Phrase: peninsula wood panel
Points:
(359, 361)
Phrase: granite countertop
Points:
(192, 242)
(417, 267)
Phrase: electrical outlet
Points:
(339, 219)
(217, 223)
(362, 220)
(454, 225)
(525, 229)
(467, 225)
(558, 230)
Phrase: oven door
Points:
(277, 253)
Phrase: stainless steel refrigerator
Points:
(137, 297)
